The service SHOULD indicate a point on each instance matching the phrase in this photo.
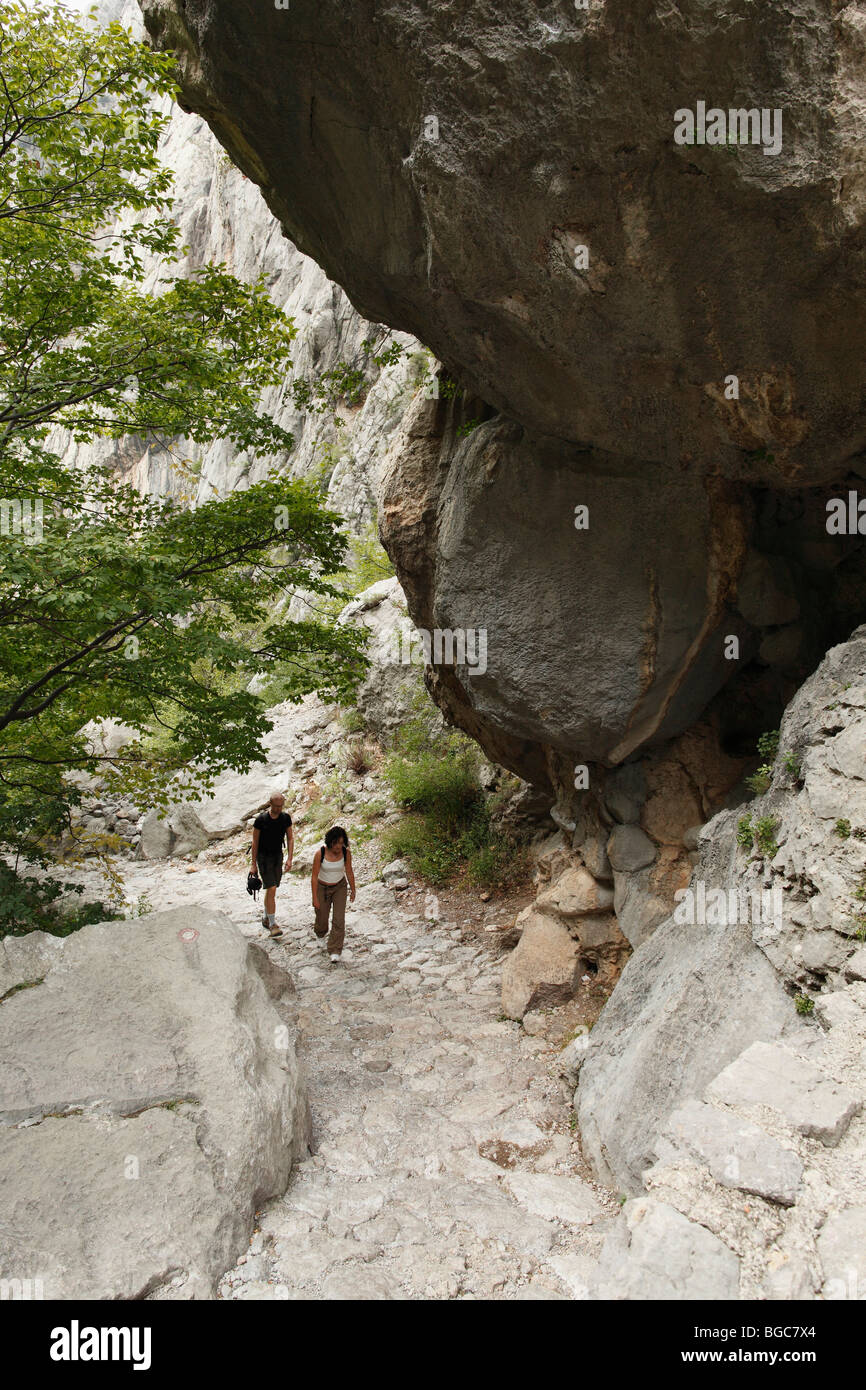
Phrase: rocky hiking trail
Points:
(413, 1077)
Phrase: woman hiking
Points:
(332, 874)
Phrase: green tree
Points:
(112, 604)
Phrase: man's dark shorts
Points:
(270, 870)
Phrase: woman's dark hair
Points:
(334, 834)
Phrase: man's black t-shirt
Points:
(272, 831)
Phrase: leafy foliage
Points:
(765, 835)
(112, 604)
(745, 832)
(768, 748)
(450, 828)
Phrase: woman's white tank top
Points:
(332, 870)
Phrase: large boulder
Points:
(643, 393)
(179, 833)
(688, 1001)
(150, 1101)
(527, 211)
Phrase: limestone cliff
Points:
(224, 220)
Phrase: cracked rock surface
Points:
(149, 1097)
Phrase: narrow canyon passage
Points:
(413, 1077)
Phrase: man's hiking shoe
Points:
(275, 932)
(335, 960)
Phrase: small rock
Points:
(855, 968)
(555, 1198)
(771, 1075)
(737, 1153)
(842, 1248)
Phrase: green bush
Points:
(30, 904)
(419, 842)
(768, 745)
(449, 828)
(443, 787)
(745, 832)
(502, 863)
(768, 748)
(765, 836)
(760, 780)
(352, 720)
(792, 765)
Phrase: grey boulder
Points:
(178, 834)
(544, 967)
(150, 1101)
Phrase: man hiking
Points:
(332, 868)
(269, 831)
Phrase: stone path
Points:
(416, 1087)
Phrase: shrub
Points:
(449, 827)
(792, 764)
(352, 721)
(765, 836)
(359, 757)
(804, 1004)
(30, 904)
(502, 863)
(443, 788)
(418, 841)
(745, 832)
(842, 829)
(768, 747)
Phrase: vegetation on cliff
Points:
(114, 604)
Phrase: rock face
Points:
(224, 220)
(644, 392)
(544, 129)
(157, 1059)
(699, 991)
(688, 1001)
(701, 1081)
